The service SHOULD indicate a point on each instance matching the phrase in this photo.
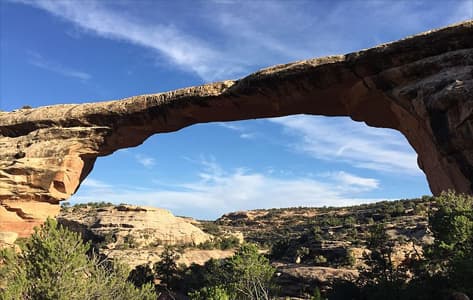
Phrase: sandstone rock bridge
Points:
(421, 86)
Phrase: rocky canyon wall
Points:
(421, 86)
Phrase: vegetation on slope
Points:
(434, 271)
(54, 263)
(268, 226)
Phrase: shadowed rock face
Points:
(421, 86)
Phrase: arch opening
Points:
(206, 170)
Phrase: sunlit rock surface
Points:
(421, 86)
(133, 226)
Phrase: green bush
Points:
(250, 273)
(54, 265)
(451, 255)
(210, 293)
(350, 258)
(130, 241)
(211, 228)
(222, 243)
(245, 276)
(320, 260)
(229, 242)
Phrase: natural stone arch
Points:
(421, 86)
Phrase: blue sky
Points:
(83, 51)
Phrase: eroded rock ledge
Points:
(421, 86)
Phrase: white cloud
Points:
(243, 132)
(231, 126)
(217, 191)
(144, 160)
(223, 39)
(343, 140)
(39, 61)
(180, 48)
(95, 184)
(247, 135)
(355, 181)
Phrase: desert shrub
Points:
(13, 276)
(93, 205)
(350, 258)
(302, 253)
(129, 241)
(246, 275)
(349, 221)
(222, 243)
(210, 293)
(211, 228)
(279, 249)
(110, 237)
(207, 245)
(229, 242)
(250, 274)
(320, 260)
(318, 234)
(54, 264)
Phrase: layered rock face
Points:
(136, 235)
(131, 226)
(421, 86)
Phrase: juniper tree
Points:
(53, 264)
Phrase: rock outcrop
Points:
(127, 226)
(136, 235)
(297, 279)
(149, 256)
(421, 86)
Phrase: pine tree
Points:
(166, 268)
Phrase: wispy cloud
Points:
(216, 191)
(222, 39)
(248, 135)
(145, 160)
(243, 132)
(95, 184)
(231, 126)
(355, 183)
(39, 61)
(180, 48)
(343, 140)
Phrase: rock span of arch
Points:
(421, 86)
